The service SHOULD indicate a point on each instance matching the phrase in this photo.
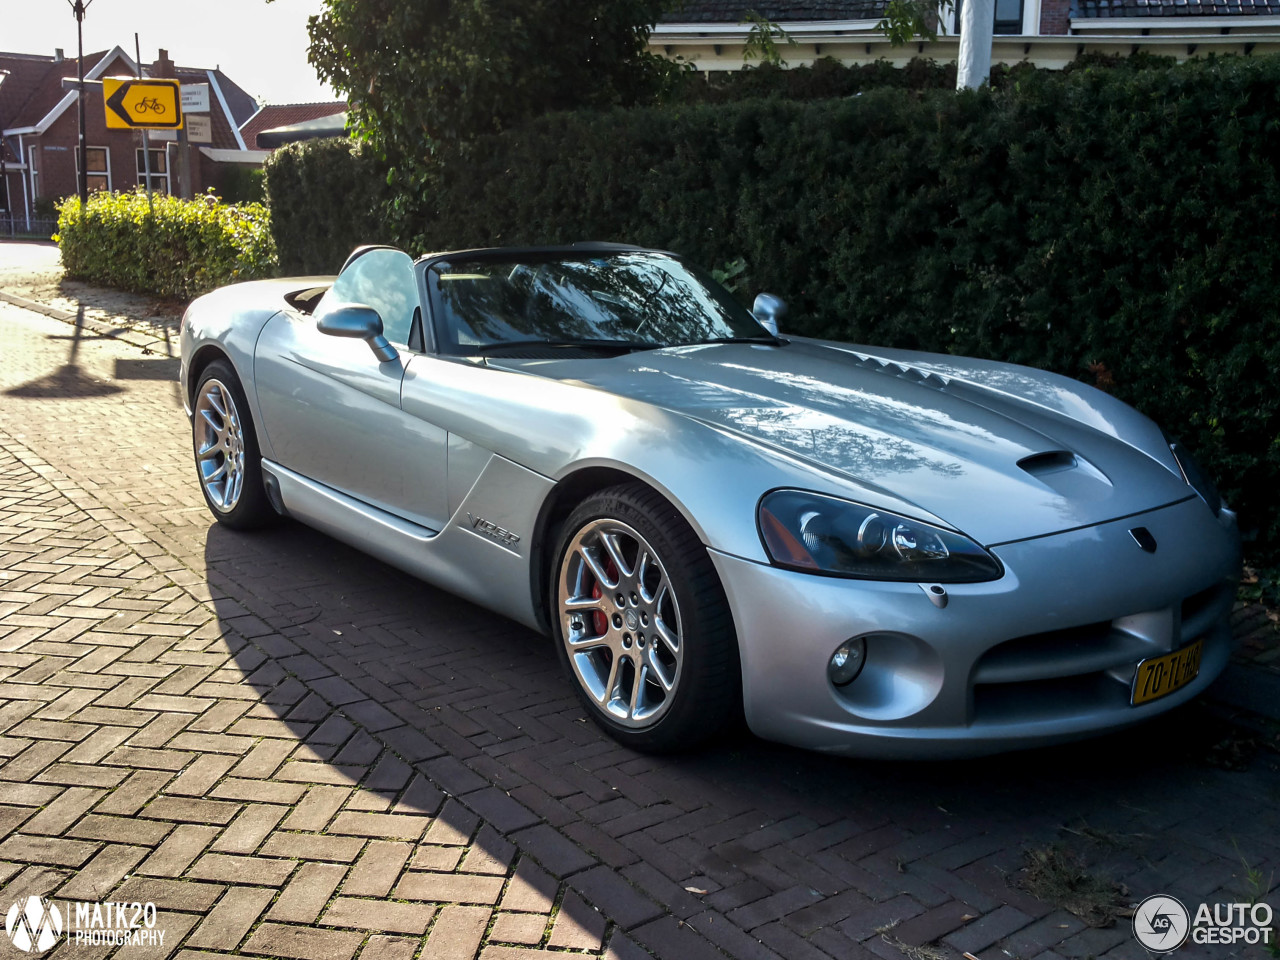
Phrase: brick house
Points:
(274, 116)
(1050, 33)
(39, 131)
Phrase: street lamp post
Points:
(78, 7)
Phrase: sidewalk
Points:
(32, 279)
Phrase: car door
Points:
(332, 411)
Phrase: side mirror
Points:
(769, 310)
(361, 323)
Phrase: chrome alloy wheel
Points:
(219, 436)
(620, 622)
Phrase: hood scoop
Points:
(901, 372)
(1051, 461)
(1067, 475)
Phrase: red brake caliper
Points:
(599, 617)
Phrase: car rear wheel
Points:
(642, 624)
(226, 450)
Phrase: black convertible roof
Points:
(583, 248)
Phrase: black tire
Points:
(707, 693)
(250, 508)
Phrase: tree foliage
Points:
(904, 20)
(763, 40)
(418, 72)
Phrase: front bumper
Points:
(1045, 654)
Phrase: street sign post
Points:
(142, 104)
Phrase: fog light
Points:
(846, 663)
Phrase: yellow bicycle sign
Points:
(142, 104)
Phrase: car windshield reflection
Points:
(614, 302)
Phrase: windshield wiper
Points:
(762, 339)
(586, 344)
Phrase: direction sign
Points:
(195, 98)
(142, 104)
(199, 128)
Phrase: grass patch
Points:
(909, 950)
(1058, 876)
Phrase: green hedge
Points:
(1121, 226)
(326, 198)
(824, 79)
(828, 78)
(182, 249)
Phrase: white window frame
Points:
(34, 169)
(106, 151)
(142, 170)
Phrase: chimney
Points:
(163, 67)
(58, 55)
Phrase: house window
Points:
(98, 170)
(1008, 17)
(159, 171)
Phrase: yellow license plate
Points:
(1160, 676)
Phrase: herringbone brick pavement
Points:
(296, 751)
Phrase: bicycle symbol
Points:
(149, 103)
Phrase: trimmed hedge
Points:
(326, 199)
(1121, 226)
(824, 79)
(183, 249)
(828, 78)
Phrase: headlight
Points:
(808, 531)
(1196, 477)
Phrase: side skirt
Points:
(459, 558)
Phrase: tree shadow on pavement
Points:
(70, 380)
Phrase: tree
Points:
(763, 40)
(904, 20)
(420, 71)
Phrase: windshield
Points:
(625, 300)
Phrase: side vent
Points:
(902, 372)
(1052, 461)
(274, 496)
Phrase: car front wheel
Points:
(642, 624)
(226, 450)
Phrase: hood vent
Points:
(910, 374)
(1051, 461)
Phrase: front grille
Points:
(1196, 605)
(1092, 648)
(1037, 700)
(1088, 667)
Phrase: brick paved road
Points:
(295, 751)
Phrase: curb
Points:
(37, 307)
(148, 342)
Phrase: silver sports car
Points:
(862, 550)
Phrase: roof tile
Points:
(779, 11)
(1102, 9)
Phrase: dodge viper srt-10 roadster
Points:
(861, 550)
